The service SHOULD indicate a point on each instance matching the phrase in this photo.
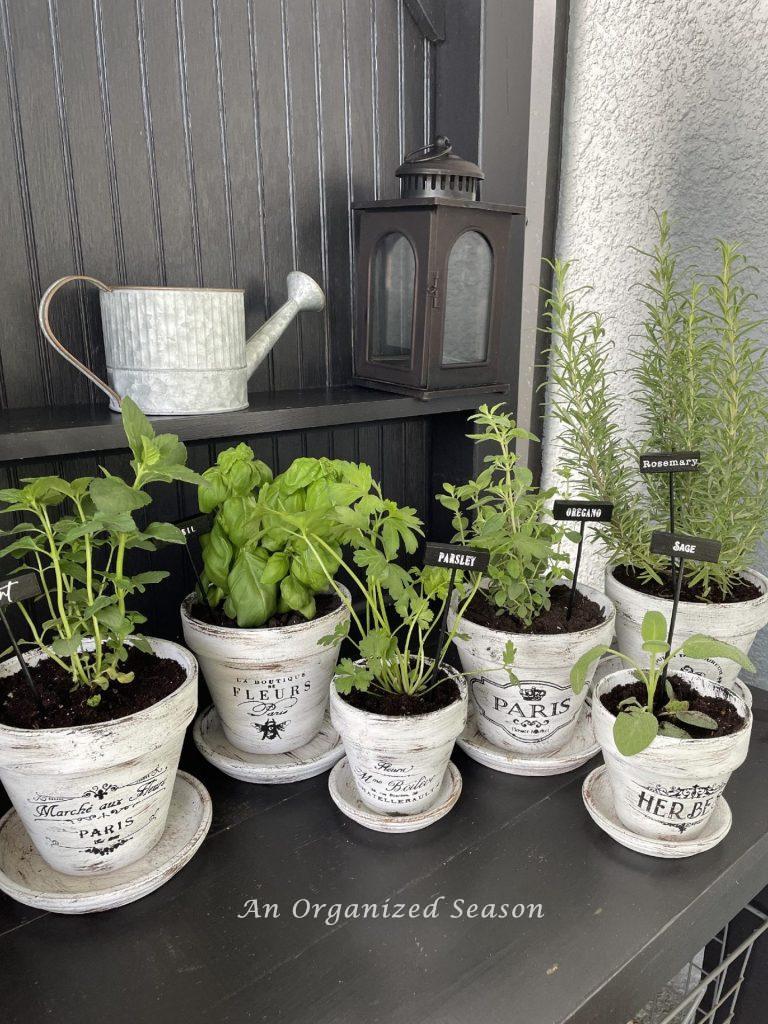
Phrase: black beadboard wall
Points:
(195, 142)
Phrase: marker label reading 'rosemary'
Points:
(582, 511)
(670, 462)
(19, 588)
(680, 545)
(455, 556)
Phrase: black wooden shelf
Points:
(75, 429)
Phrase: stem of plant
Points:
(20, 659)
(575, 579)
(443, 623)
(673, 616)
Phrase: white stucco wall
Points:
(666, 108)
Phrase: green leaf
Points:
(136, 426)
(278, 566)
(634, 730)
(111, 496)
(297, 596)
(580, 670)
(700, 646)
(165, 533)
(510, 652)
(336, 637)
(350, 676)
(250, 602)
(673, 731)
(65, 647)
(697, 718)
(301, 473)
(654, 633)
(218, 554)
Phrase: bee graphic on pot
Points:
(270, 730)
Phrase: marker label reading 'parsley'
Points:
(454, 556)
(19, 588)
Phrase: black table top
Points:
(615, 927)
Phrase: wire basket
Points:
(707, 989)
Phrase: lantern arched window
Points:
(468, 286)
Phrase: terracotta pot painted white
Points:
(538, 717)
(669, 790)
(269, 685)
(736, 623)
(95, 798)
(398, 762)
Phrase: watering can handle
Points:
(45, 326)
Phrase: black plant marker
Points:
(671, 463)
(680, 546)
(584, 512)
(192, 527)
(453, 557)
(12, 591)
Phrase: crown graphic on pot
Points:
(532, 692)
(181, 351)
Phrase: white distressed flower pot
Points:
(669, 790)
(95, 798)
(736, 623)
(270, 686)
(538, 717)
(399, 762)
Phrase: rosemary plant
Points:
(80, 556)
(700, 384)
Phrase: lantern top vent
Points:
(436, 170)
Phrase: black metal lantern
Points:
(431, 274)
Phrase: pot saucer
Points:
(341, 786)
(598, 799)
(581, 747)
(314, 758)
(26, 877)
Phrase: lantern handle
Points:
(442, 146)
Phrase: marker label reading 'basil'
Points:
(586, 511)
(454, 556)
(670, 462)
(19, 588)
(680, 545)
(195, 525)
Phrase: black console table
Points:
(615, 927)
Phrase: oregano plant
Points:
(638, 724)
(700, 383)
(76, 535)
(501, 512)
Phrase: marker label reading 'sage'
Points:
(680, 545)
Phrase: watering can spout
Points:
(303, 294)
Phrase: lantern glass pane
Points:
(467, 300)
(393, 284)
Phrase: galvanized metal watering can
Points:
(181, 351)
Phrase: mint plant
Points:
(637, 725)
(79, 554)
(701, 384)
(256, 567)
(501, 512)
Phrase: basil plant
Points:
(255, 565)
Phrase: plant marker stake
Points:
(443, 624)
(192, 527)
(29, 586)
(575, 579)
(671, 463)
(198, 581)
(673, 616)
(453, 557)
(679, 546)
(20, 659)
(585, 512)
